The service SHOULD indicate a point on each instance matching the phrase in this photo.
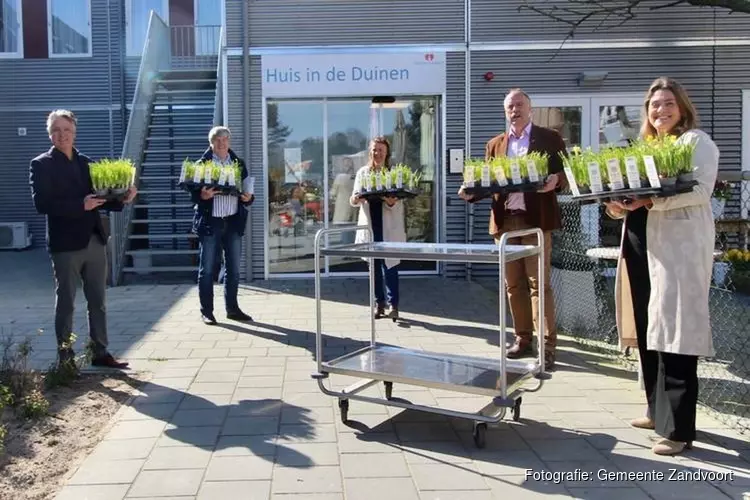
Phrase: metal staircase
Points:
(181, 116)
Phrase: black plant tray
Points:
(396, 193)
(526, 187)
(225, 190)
(637, 194)
(111, 194)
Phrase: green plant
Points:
(34, 404)
(578, 161)
(6, 399)
(723, 190)
(390, 178)
(215, 170)
(501, 168)
(112, 174)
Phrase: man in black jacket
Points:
(219, 222)
(61, 189)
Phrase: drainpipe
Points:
(109, 79)
(246, 125)
(122, 53)
(469, 207)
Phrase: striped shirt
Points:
(224, 206)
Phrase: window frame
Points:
(50, 42)
(18, 54)
(128, 24)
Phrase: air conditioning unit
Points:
(14, 236)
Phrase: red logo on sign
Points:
(429, 57)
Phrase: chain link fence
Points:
(584, 262)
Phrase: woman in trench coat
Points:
(664, 275)
(386, 218)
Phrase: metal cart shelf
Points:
(501, 379)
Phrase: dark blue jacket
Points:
(58, 187)
(202, 219)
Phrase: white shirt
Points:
(224, 205)
(518, 146)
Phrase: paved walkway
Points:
(232, 413)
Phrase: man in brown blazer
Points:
(527, 210)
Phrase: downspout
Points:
(469, 207)
(246, 125)
(123, 51)
(109, 79)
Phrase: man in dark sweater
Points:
(61, 189)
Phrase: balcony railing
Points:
(195, 46)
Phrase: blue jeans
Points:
(390, 286)
(221, 238)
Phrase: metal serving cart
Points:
(501, 379)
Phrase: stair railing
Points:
(154, 59)
(219, 99)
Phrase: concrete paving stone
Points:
(506, 463)
(245, 490)
(245, 352)
(570, 404)
(368, 443)
(205, 402)
(124, 449)
(93, 492)
(161, 483)
(160, 411)
(323, 479)
(434, 477)
(178, 457)
(239, 468)
(253, 394)
(259, 408)
(217, 335)
(457, 495)
(617, 396)
(170, 354)
(726, 438)
(209, 353)
(601, 473)
(615, 439)
(260, 445)
(201, 388)
(296, 415)
(535, 431)
(222, 365)
(682, 490)
(608, 494)
(189, 436)
(297, 375)
(134, 429)
(425, 431)
(210, 376)
(310, 496)
(110, 472)
(161, 346)
(555, 450)
(397, 488)
(169, 372)
(199, 418)
(307, 454)
(200, 344)
(252, 382)
(625, 412)
(640, 460)
(240, 343)
(363, 423)
(712, 452)
(356, 465)
(249, 426)
(301, 433)
(589, 420)
(178, 384)
(518, 487)
(303, 386)
(265, 371)
(152, 393)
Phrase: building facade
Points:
(304, 85)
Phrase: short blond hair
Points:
(61, 113)
(218, 131)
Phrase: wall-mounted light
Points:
(489, 76)
(592, 77)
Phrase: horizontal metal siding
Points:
(509, 20)
(61, 82)
(455, 217)
(732, 75)
(629, 70)
(337, 22)
(93, 139)
(233, 22)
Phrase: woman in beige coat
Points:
(386, 218)
(664, 275)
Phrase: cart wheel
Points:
(480, 434)
(388, 390)
(517, 410)
(344, 407)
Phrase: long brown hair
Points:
(380, 140)
(688, 113)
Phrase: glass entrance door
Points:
(314, 149)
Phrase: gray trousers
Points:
(70, 268)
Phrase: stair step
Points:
(160, 251)
(161, 164)
(164, 205)
(193, 114)
(183, 102)
(182, 91)
(186, 80)
(161, 221)
(163, 269)
(178, 138)
(177, 125)
(179, 152)
(189, 236)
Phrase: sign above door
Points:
(347, 75)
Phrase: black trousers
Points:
(671, 380)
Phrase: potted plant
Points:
(722, 192)
(739, 269)
(576, 165)
(111, 179)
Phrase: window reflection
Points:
(565, 120)
(618, 125)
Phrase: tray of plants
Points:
(399, 182)
(659, 167)
(505, 175)
(111, 179)
(227, 179)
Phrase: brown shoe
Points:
(643, 423)
(109, 362)
(669, 447)
(519, 349)
(393, 313)
(379, 311)
(549, 361)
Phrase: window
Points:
(137, 14)
(11, 37)
(208, 20)
(69, 25)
